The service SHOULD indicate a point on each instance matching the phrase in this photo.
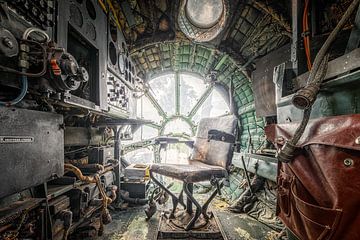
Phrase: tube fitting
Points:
(286, 153)
(306, 96)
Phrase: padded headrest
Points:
(217, 153)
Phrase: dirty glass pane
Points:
(143, 133)
(143, 155)
(214, 106)
(191, 89)
(163, 89)
(175, 153)
(177, 126)
(146, 110)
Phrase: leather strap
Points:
(221, 136)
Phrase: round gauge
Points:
(112, 53)
(113, 31)
(126, 75)
(91, 9)
(90, 30)
(76, 15)
(121, 63)
(126, 64)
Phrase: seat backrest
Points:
(213, 152)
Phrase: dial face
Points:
(121, 63)
(112, 53)
(204, 13)
(76, 16)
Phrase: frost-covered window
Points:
(174, 103)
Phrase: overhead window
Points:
(204, 13)
(202, 20)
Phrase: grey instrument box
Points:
(31, 148)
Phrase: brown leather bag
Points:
(319, 190)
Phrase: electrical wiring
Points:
(24, 88)
(39, 74)
(90, 179)
(23, 74)
(25, 38)
(306, 34)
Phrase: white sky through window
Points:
(163, 90)
(177, 126)
(191, 89)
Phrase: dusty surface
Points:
(131, 224)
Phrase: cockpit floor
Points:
(131, 224)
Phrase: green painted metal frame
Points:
(185, 57)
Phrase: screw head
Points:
(357, 141)
(348, 162)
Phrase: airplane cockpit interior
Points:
(179, 119)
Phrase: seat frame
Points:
(188, 190)
(213, 135)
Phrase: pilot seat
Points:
(211, 157)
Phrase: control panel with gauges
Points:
(122, 79)
(66, 100)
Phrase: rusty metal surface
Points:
(262, 81)
(168, 230)
(9, 213)
(344, 64)
(195, 171)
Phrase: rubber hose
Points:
(24, 88)
(306, 96)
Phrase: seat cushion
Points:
(195, 171)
